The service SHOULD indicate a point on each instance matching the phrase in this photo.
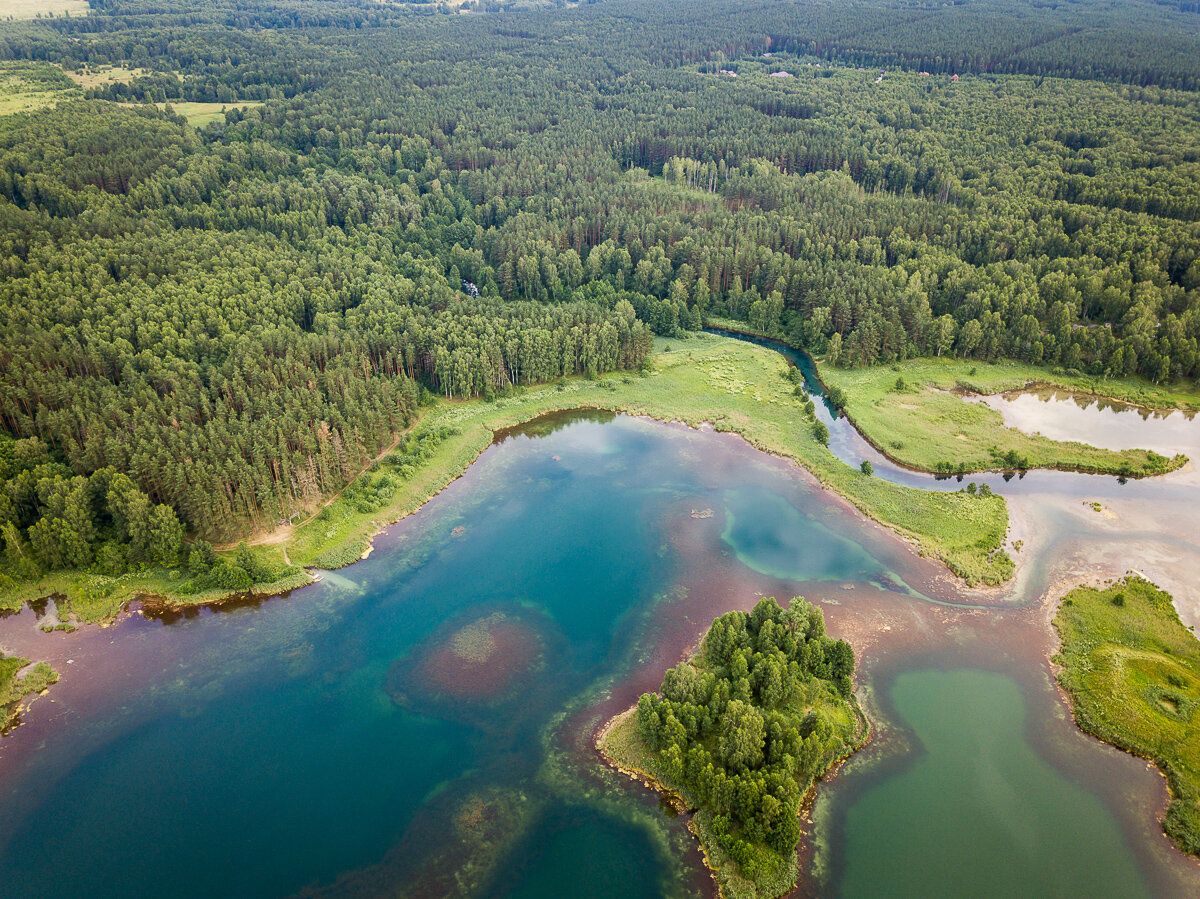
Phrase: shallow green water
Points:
(977, 812)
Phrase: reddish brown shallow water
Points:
(595, 543)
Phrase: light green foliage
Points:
(742, 731)
(1133, 672)
(14, 689)
(930, 426)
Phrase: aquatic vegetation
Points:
(741, 732)
(1133, 672)
(14, 689)
(485, 662)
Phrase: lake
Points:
(423, 719)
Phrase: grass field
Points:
(729, 383)
(923, 425)
(25, 86)
(1133, 672)
(103, 75)
(200, 114)
(33, 9)
(13, 690)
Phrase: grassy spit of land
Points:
(728, 383)
(1133, 674)
(912, 412)
(13, 689)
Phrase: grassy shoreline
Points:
(726, 383)
(1132, 672)
(14, 690)
(723, 382)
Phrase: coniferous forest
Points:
(208, 328)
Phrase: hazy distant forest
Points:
(204, 329)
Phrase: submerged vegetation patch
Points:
(1133, 672)
(471, 667)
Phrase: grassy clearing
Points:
(909, 413)
(26, 86)
(41, 9)
(201, 114)
(101, 76)
(14, 689)
(732, 385)
(1133, 672)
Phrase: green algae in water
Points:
(978, 812)
(771, 536)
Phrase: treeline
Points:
(52, 519)
(745, 729)
(241, 350)
(1138, 42)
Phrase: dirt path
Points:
(280, 535)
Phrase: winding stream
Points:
(422, 720)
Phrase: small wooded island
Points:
(739, 734)
(1133, 672)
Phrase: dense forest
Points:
(401, 203)
(743, 729)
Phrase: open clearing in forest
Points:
(103, 75)
(26, 86)
(200, 114)
(33, 9)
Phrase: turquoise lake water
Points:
(418, 722)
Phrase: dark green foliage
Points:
(820, 433)
(867, 468)
(239, 319)
(52, 520)
(746, 729)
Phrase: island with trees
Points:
(739, 734)
(1132, 670)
